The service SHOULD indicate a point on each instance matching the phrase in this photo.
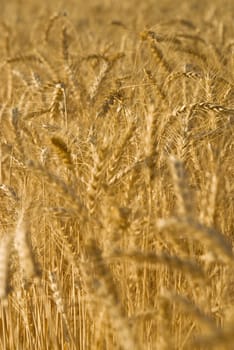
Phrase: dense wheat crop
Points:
(116, 175)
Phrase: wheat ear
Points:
(23, 246)
(5, 251)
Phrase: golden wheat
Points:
(116, 175)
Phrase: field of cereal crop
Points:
(116, 168)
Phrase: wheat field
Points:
(116, 168)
